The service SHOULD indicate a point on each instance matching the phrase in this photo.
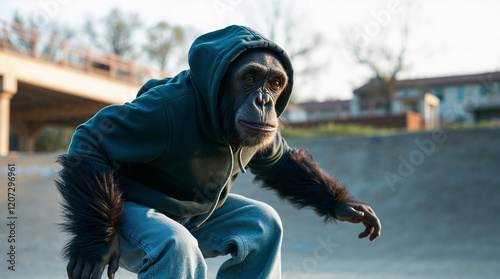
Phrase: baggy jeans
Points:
(155, 246)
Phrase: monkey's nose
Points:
(263, 99)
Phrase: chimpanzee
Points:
(145, 185)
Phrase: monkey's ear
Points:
(92, 206)
(305, 184)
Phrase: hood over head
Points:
(210, 56)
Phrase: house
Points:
(338, 112)
(314, 112)
(447, 99)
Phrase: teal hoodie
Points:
(166, 147)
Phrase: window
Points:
(311, 115)
(461, 93)
(412, 106)
(483, 91)
(326, 114)
(488, 88)
(438, 92)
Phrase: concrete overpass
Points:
(47, 80)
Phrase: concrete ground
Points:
(437, 195)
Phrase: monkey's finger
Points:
(77, 272)
(113, 267)
(70, 267)
(98, 270)
(87, 270)
(371, 220)
(375, 234)
(369, 230)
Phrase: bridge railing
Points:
(31, 42)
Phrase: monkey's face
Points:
(247, 97)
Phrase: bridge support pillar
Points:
(8, 87)
(5, 122)
(27, 133)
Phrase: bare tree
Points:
(385, 59)
(115, 32)
(280, 24)
(162, 39)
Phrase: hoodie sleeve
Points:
(132, 132)
(91, 199)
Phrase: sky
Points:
(447, 37)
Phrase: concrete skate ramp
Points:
(439, 209)
(437, 195)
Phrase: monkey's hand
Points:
(356, 212)
(85, 269)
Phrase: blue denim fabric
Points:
(155, 246)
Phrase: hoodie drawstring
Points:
(243, 170)
(219, 192)
(226, 180)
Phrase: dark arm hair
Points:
(92, 207)
(301, 181)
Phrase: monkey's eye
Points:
(250, 79)
(275, 84)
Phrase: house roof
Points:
(291, 107)
(328, 105)
(426, 83)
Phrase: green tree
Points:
(162, 39)
(115, 32)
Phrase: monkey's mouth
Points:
(262, 127)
